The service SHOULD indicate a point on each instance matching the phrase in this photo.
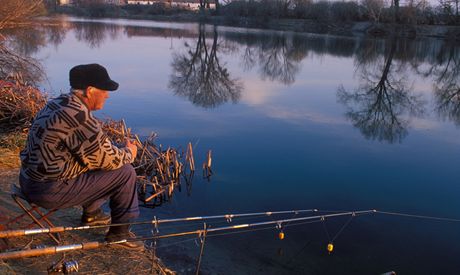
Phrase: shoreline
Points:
(102, 260)
(349, 29)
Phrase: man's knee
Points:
(128, 171)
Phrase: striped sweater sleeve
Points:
(96, 150)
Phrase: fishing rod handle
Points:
(47, 250)
(25, 232)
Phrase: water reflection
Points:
(96, 34)
(383, 103)
(381, 107)
(277, 55)
(199, 75)
(446, 74)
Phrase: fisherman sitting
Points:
(68, 160)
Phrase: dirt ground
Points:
(98, 261)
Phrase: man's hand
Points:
(132, 147)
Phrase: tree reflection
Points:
(199, 75)
(447, 84)
(382, 105)
(278, 61)
(95, 34)
(278, 57)
(56, 34)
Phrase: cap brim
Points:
(109, 86)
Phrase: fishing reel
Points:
(63, 267)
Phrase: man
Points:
(68, 160)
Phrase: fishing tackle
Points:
(64, 267)
(281, 235)
(330, 248)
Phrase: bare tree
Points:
(199, 76)
(14, 59)
(17, 66)
(374, 8)
(450, 7)
(14, 13)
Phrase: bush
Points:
(300, 8)
(346, 11)
(102, 10)
(319, 11)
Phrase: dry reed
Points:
(19, 103)
(159, 171)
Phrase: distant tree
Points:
(373, 8)
(14, 61)
(14, 13)
(300, 8)
(216, 2)
(395, 4)
(450, 9)
(86, 3)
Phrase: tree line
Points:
(383, 11)
(444, 12)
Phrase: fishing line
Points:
(228, 217)
(175, 243)
(418, 216)
(200, 232)
(343, 227)
(194, 224)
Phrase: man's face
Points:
(96, 98)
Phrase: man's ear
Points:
(89, 91)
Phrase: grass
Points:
(10, 146)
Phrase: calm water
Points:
(295, 121)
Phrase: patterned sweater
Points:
(65, 140)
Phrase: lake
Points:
(294, 121)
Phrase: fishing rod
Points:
(155, 221)
(200, 232)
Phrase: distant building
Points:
(188, 4)
(112, 2)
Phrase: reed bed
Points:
(159, 171)
(19, 103)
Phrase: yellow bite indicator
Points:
(330, 248)
(281, 235)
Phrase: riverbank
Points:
(345, 28)
(104, 260)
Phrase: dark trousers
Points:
(89, 190)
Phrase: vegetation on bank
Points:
(19, 99)
(19, 103)
(414, 12)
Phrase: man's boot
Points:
(95, 218)
(122, 232)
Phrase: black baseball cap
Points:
(94, 75)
